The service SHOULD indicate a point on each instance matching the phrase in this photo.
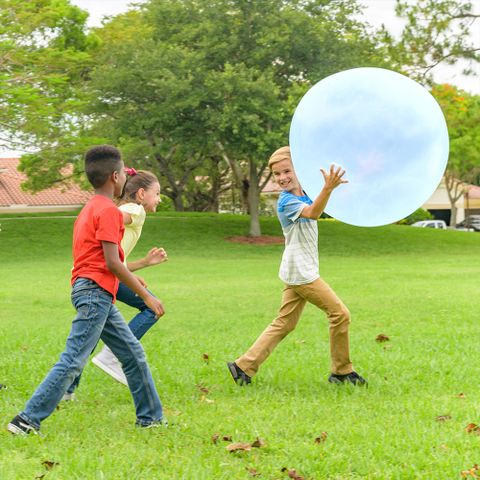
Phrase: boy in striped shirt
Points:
(300, 273)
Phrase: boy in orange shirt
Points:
(98, 268)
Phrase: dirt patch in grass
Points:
(261, 240)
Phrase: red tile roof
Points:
(473, 192)
(11, 193)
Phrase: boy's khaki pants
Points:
(293, 301)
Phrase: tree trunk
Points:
(178, 202)
(455, 190)
(240, 180)
(453, 215)
(254, 201)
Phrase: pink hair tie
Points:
(130, 171)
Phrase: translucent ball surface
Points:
(386, 130)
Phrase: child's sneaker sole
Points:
(110, 371)
(15, 430)
(18, 426)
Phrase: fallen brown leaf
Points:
(253, 472)
(473, 428)
(382, 338)
(292, 474)
(471, 472)
(258, 443)
(206, 357)
(323, 436)
(443, 418)
(202, 388)
(49, 464)
(225, 438)
(203, 398)
(461, 395)
(234, 447)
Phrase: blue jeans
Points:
(142, 321)
(139, 325)
(97, 317)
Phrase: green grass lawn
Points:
(418, 286)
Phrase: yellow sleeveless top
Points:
(132, 230)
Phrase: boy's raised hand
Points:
(156, 256)
(334, 178)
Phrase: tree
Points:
(436, 32)
(254, 61)
(42, 59)
(148, 97)
(182, 84)
(462, 112)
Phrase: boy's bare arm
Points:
(332, 180)
(112, 259)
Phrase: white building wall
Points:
(440, 201)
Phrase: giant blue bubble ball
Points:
(385, 130)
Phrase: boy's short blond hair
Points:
(282, 153)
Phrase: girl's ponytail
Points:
(136, 179)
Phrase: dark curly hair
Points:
(100, 162)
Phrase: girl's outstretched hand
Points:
(334, 178)
(156, 256)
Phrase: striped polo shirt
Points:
(300, 257)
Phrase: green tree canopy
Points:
(187, 87)
(462, 112)
(42, 62)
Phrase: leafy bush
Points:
(417, 216)
(166, 205)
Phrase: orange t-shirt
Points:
(100, 220)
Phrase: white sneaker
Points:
(109, 363)
(68, 397)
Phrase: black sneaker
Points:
(239, 376)
(18, 426)
(354, 378)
